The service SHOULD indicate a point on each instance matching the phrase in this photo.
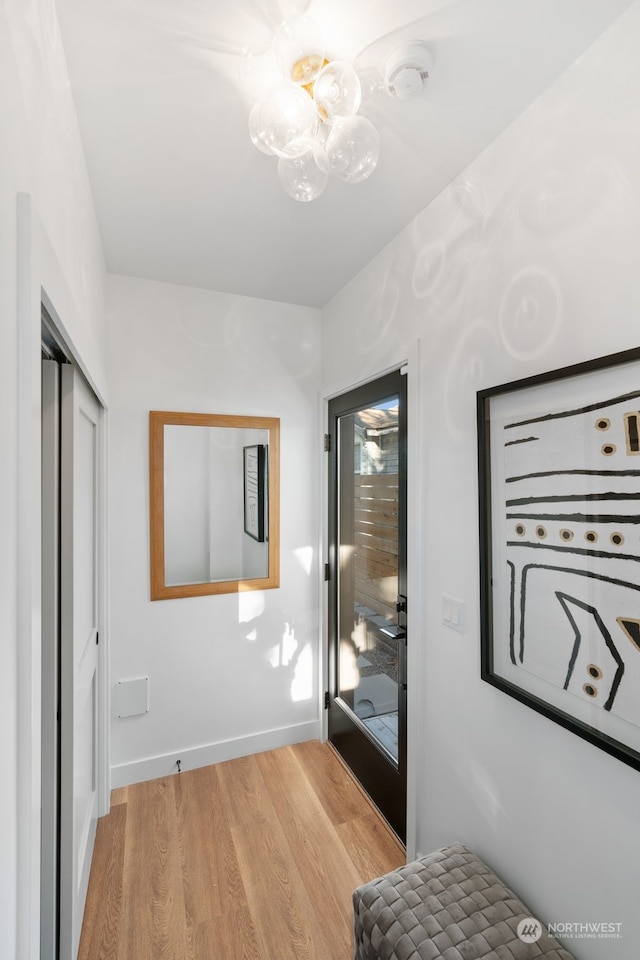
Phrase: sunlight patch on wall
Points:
(283, 653)
(250, 605)
(289, 645)
(274, 656)
(304, 556)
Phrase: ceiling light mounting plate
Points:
(407, 68)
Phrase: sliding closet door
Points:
(50, 766)
(80, 427)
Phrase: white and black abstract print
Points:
(570, 493)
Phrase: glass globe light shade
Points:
(278, 121)
(257, 132)
(353, 148)
(336, 91)
(299, 49)
(320, 154)
(301, 177)
(372, 88)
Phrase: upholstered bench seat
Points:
(446, 906)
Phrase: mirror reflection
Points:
(214, 510)
(210, 480)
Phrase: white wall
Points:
(232, 673)
(528, 262)
(40, 155)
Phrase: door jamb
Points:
(414, 510)
(40, 281)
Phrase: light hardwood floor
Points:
(251, 859)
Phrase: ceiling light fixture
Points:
(406, 68)
(310, 120)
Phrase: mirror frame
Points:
(157, 421)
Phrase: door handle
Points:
(402, 663)
(399, 633)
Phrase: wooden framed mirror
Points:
(214, 503)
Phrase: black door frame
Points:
(383, 780)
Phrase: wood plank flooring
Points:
(251, 859)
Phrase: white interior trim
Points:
(415, 655)
(414, 510)
(192, 758)
(28, 599)
(40, 280)
(338, 387)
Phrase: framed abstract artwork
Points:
(254, 475)
(559, 484)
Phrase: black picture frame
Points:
(254, 481)
(559, 511)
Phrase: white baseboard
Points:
(152, 767)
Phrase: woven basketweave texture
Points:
(447, 906)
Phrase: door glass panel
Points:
(368, 570)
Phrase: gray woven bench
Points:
(446, 906)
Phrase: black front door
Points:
(367, 597)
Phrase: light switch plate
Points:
(453, 613)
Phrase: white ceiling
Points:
(163, 94)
